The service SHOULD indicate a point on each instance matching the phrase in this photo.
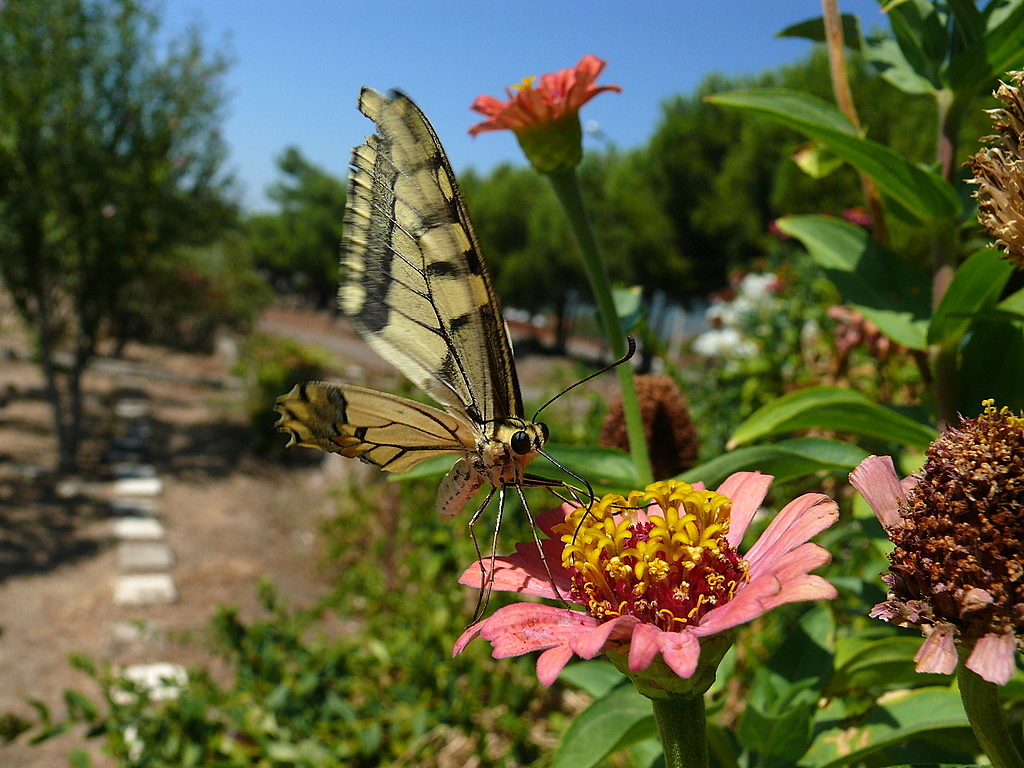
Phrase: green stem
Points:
(682, 727)
(567, 188)
(981, 703)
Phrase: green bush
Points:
(185, 297)
(365, 678)
(271, 366)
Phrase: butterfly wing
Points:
(381, 429)
(414, 283)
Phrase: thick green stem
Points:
(682, 726)
(567, 188)
(981, 703)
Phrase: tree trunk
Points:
(67, 448)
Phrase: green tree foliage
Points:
(298, 246)
(526, 242)
(110, 159)
(722, 178)
(200, 289)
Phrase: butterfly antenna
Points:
(625, 358)
(574, 476)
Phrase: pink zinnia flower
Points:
(955, 572)
(546, 118)
(656, 573)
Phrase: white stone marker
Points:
(138, 486)
(144, 556)
(144, 589)
(135, 528)
(131, 409)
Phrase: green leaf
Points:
(815, 160)
(885, 54)
(596, 677)
(628, 306)
(1013, 304)
(814, 30)
(920, 32)
(969, 22)
(438, 465)
(781, 703)
(881, 665)
(975, 286)
(835, 409)
(646, 753)
(922, 193)
(784, 460)
(976, 68)
(992, 365)
(609, 724)
(783, 729)
(841, 743)
(602, 466)
(887, 290)
(79, 707)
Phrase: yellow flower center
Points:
(667, 567)
(526, 85)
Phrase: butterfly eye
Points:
(543, 432)
(521, 443)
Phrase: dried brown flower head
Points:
(999, 173)
(671, 437)
(957, 570)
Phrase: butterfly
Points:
(416, 288)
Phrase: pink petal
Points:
(746, 606)
(876, 480)
(524, 572)
(488, 105)
(806, 588)
(551, 663)
(603, 636)
(788, 582)
(681, 651)
(938, 652)
(524, 627)
(545, 521)
(797, 522)
(993, 657)
(747, 490)
(466, 637)
(797, 563)
(643, 646)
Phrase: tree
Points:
(110, 160)
(525, 239)
(301, 243)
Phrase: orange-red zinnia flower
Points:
(546, 118)
(558, 94)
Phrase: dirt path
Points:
(230, 519)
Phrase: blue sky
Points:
(298, 65)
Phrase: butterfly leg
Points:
(486, 574)
(539, 544)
